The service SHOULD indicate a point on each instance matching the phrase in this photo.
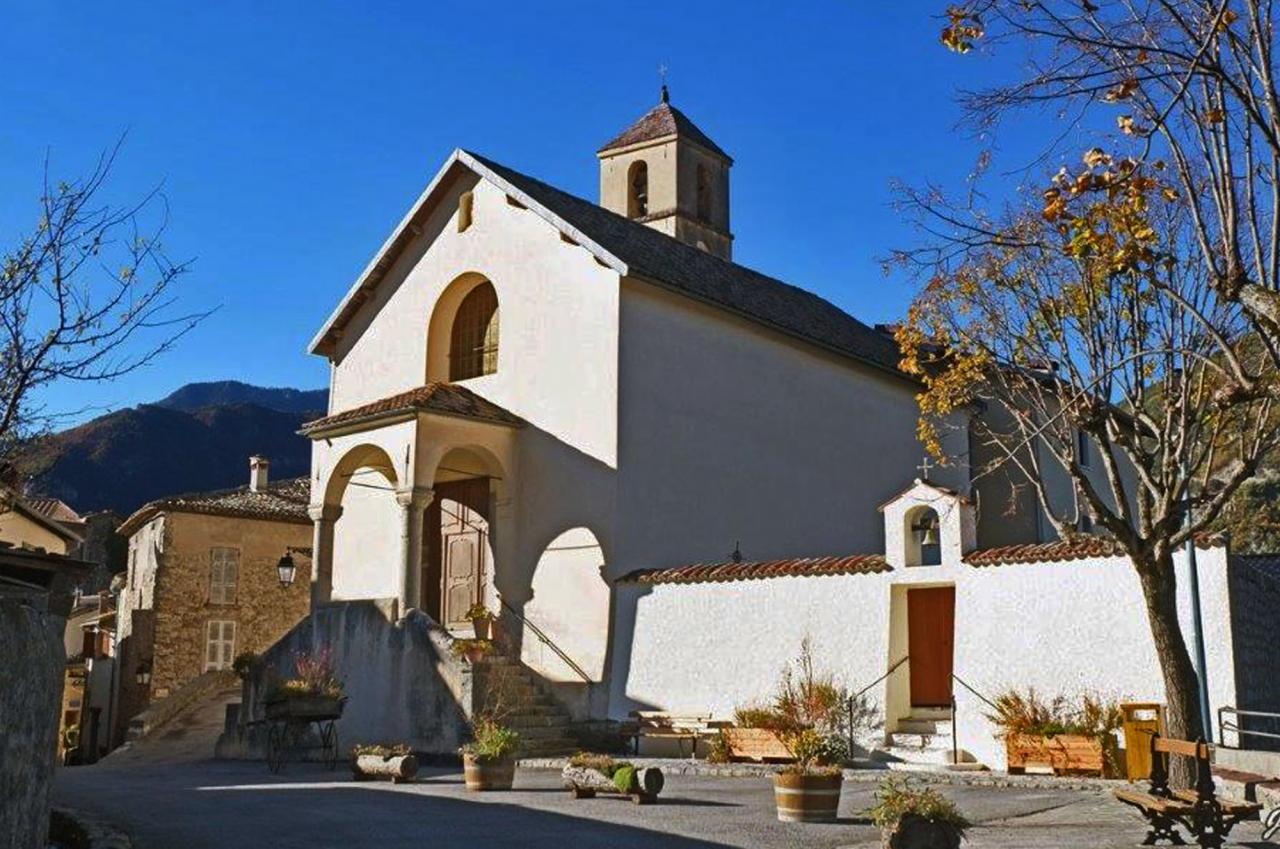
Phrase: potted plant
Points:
(809, 789)
(315, 691)
(481, 621)
(243, 665)
(916, 819)
(472, 650)
(1057, 734)
(489, 760)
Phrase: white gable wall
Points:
(730, 431)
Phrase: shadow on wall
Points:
(401, 683)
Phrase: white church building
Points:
(662, 470)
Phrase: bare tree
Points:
(1192, 82)
(88, 296)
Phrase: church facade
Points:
(536, 401)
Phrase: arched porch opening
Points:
(459, 524)
(361, 494)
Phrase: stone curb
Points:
(97, 833)
(673, 766)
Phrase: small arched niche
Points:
(922, 537)
(462, 335)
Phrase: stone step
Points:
(552, 732)
(921, 742)
(537, 720)
(549, 747)
(923, 726)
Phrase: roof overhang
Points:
(411, 226)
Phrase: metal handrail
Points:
(965, 684)
(547, 641)
(886, 674)
(1225, 725)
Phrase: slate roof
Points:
(285, 501)
(702, 573)
(667, 261)
(663, 120)
(447, 399)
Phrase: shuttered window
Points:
(473, 344)
(220, 645)
(224, 571)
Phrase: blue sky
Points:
(290, 138)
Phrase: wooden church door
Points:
(461, 531)
(931, 621)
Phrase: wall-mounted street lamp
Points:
(143, 674)
(287, 569)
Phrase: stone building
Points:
(202, 584)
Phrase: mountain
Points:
(124, 459)
(219, 393)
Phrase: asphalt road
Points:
(240, 804)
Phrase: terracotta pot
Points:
(483, 626)
(913, 832)
(807, 798)
(488, 775)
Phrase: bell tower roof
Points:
(662, 121)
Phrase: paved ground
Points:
(239, 804)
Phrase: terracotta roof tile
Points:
(1078, 548)
(54, 508)
(701, 573)
(445, 398)
(663, 120)
(285, 501)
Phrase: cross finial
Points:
(736, 556)
(924, 468)
(662, 75)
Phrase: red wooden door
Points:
(931, 622)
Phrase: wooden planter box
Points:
(306, 707)
(1065, 754)
(488, 775)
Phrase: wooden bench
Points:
(671, 726)
(1208, 818)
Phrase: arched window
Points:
(473, 342)
(704, 193)
(638, 190)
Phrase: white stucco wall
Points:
(1063, 628)
(732, 432)
(366, 542)
(570, 605)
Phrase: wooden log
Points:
(398, 768)
(647, 782)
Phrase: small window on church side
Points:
(465, 201)
(704, 193)
(638, 190)
(473, 344)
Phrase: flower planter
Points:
(483, 627)
(306, 707)
(913, 832)
(1065, 754)
(807, 798)
(488, 775)
(398, 768)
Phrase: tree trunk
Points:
(1182, 716)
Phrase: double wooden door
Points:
(931, 625)
(457, 536)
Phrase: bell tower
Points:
(667, 174)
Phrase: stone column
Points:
(413, 501)
(324, 516)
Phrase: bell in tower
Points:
(666, 173)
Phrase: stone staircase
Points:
(545, 728)
(922, 743)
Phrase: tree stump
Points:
(399, 768)
(585, 782)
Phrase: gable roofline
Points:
(21, 506)
(373, 272)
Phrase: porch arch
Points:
(361, 495)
